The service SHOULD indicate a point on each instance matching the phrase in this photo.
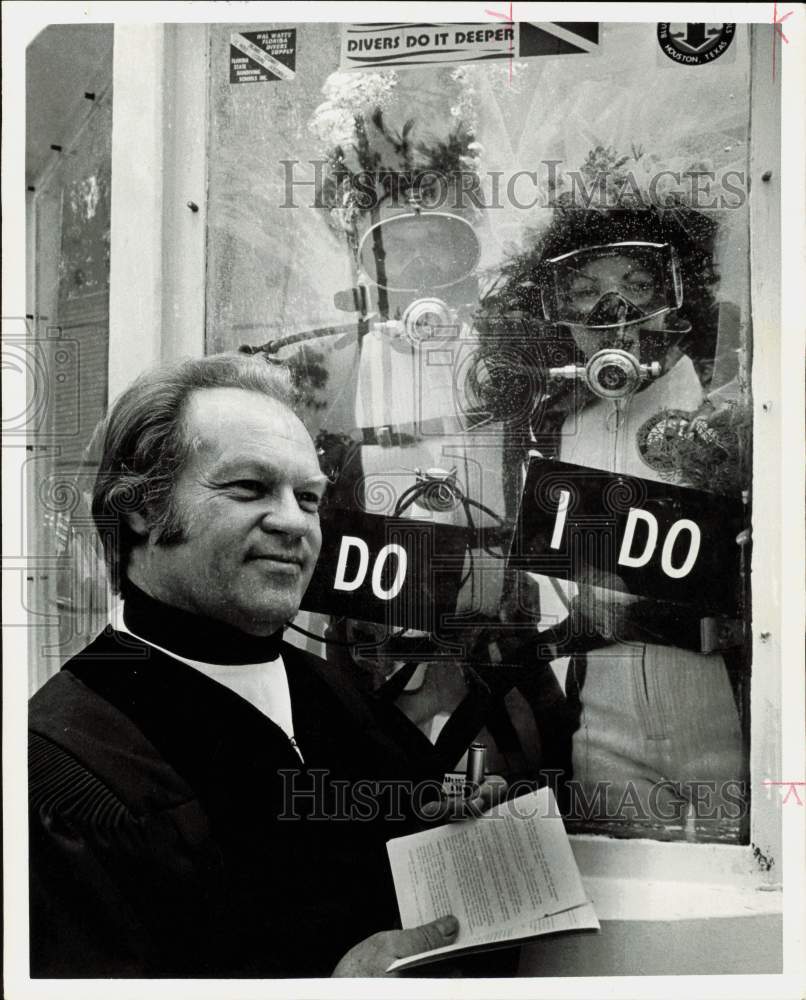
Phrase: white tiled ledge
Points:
(638, 899)
(649, 880)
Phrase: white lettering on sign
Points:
(348, 542)
(624, 556)
(559, 524)
(693, 550)
(263, 58)
(400, 577)
(341, 582)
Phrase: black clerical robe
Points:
(163, 837)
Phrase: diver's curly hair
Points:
(515, 299)
(691, 233)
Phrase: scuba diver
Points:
(628, 331)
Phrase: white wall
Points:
(156, 306)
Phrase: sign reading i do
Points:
(635, 535)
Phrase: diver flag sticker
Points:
(559, 38)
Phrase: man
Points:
(185, 766)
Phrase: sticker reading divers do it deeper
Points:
(400, 44)
(262, 56)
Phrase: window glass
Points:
(514, 293)
(67, 594)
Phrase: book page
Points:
(578, 918)
(500, 875)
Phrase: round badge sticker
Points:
(695, 43)
(657, 439)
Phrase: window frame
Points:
(746, 867)
(172, 283)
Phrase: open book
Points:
(507, 876)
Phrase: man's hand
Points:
(374, 955)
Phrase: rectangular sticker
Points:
(558, 38)
(262, 56)
(366, 46)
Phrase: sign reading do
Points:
(393, 571)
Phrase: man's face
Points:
(248, 500)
